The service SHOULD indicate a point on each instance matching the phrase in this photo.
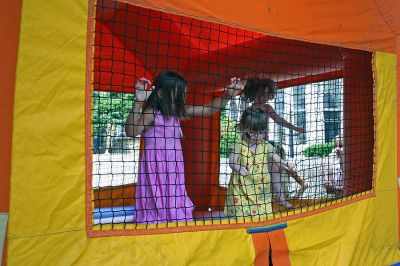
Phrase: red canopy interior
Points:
(133, 42)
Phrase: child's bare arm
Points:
(235, 166)
(145, 120)
(279, 161)
(285, 165)
(216, 105)
(279, 120)
(138, 120)
(290, 168)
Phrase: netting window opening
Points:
(196, 124)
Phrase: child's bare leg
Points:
(274, 169)
(330, 188)
(303, 184)
(339, 193)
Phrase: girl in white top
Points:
(334, 175)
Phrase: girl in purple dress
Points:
(160, 191)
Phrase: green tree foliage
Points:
(229, 135)
(224, 113)
(109, 111)
(110, 108)
(319, 150)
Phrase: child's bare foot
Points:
(285, 204)
(339, 194)
(303, 187)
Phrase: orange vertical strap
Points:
(279, 247)
(261, 248)
(10, 13)
(398, 131)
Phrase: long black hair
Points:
(169, 94)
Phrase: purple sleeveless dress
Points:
(160, 191)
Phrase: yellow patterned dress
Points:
(249, 197)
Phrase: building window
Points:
(333, 108)
(279, 132)
(299, 102)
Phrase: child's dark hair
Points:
(339, 139)
(253, 119)
(256, 86)
(280, 151)
(169, 94)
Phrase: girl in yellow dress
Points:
(259, 91)
(249, 191)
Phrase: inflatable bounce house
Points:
(198, 187)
